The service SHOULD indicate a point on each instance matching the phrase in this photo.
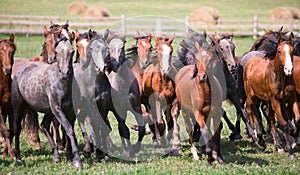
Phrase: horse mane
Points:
(268, 43)
(188, 46)
(61, 39)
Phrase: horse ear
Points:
(67, 24)
(72, 36)
(156, 39)
(170, 40)
(51, 24)
(76, 33)
(137, 35)
(280, 30)
(204, 34)
(198, 47)
(11, 37)
(279, 37)
(149, 37)
(45, 31)
(123, 37)
(291, 37)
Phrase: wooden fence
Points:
(249, 27)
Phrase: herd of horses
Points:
(154, 86)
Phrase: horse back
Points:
(260, 79)
(296, 74)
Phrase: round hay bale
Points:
(284, 13)
(96, 12)
(204, 15)
(76, 8)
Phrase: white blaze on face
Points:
(143, 43)
(65, 33)
(165, 57)
(288, 67)
(84, 43)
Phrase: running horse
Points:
(200, 93)
(159, 88)
(47, 88)
(270, 81)
(7, 50)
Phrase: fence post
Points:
(158, 29)
(255, 26)
(187, 24)
(123, 24)
(291, 25)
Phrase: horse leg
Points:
(176, 147)
(188, 127)
(87, 145)
(124, 134)
(32, 128)
(161, 125)
(57, 111)
(275, 104)
(206, 134)
(257, 119)
(46, 128)
(235, 134)
(217, 139)
(5, 133)
(152, 125)
(271, 122)
(60, 141)
(296, 118)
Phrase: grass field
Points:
(241, 157)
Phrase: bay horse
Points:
(159, 89)
(200, 93)
(7, 50)
(47, 88)
(140, 54)
(125, 93)
(269, 80)
(224, 71)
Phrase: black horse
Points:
(47, 88)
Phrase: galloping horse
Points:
(200, 93)
(94, 89)
(270, 81)
(125, 93)
(47, 88)
(159, 87)
(7, 50)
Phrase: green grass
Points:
(241, 157)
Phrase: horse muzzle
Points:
(7, 70)
(65, 74)
(288, 71)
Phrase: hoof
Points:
(196, 158)
(234, 137)
(280, 151)
(137, 147)
(106, 158)
(176, 152)
(261, 145)
(215, 155)
(78, 164)
(291, 156)
(156, 144)
(61, 150)
(220, 160)
(56, 159)
(86, 154)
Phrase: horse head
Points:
(51, 37)
(98, 52)
(225, 49)
(164, 50)
(202, 59)
(285, 53)
(7, 50)
(116, 44)
(144, 48)
(64, 56)
(82, 41)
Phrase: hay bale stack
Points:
(96, 12)
(285, 13)
(76, 8)
(204, 15)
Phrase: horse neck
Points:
(278, 70)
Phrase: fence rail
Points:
(18, 24)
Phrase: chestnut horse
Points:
(159, 87)
(7, 50)
(200, 93)
(270, 81)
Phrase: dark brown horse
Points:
(270, 81)
(200, 94)
(159, 86)
(7, 50)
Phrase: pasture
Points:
(241, 157)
